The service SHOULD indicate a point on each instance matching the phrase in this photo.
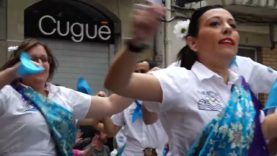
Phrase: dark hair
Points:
(27, 45)
(152, 64)
(186, 55)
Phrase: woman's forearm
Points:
(106, 106)
(269, 126)
(109, 127)
(120, 72)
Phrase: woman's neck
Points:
(221, 70)
(224, 73)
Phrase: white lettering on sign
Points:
(40, 25)
(76, 31)
(104, 30)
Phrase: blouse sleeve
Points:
(118, 119)
(173, 82)
(259, 76)
(79, 102)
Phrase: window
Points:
(251, 52)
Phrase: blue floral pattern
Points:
(232, 132)
(60, 120)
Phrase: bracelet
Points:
(135, 48)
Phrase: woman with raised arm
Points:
(38, 117)
(205, 101)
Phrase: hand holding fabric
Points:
(27, 66)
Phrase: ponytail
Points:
(187, 57)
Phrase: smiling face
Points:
(217, 39)
(39, 55)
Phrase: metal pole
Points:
(167, 40)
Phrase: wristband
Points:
(135, 48)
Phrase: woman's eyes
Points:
(214, 24)
(217, 24)
(43, 59)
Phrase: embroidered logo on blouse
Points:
(210, 101)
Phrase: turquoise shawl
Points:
(60, 120)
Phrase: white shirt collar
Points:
(233, 78)
(51, 88)
(202, 72)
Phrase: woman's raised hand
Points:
(145, 21)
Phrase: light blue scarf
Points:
(272, 98)
(60, 120)
(137, 114)
(233, 131)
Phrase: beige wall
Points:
(122, 9)
(254, 39)
(14, 26)
(2, 20)
(3, 52)
(117, 7)
(15, 22)
(16, 18)
(3, 46)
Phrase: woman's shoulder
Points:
(175, 77)
(56, 88)
(242, 60)
(7, 89)
(7, 92)
(66, 92)
(174, 72)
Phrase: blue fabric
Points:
(233, 62)
(60, 121)
(83, 86)
(137, 112)
(165, 150)
(259, 145)
(272, 98)
(232, 132)
(120, 150)
(27, 67)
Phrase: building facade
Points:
(83, 34)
